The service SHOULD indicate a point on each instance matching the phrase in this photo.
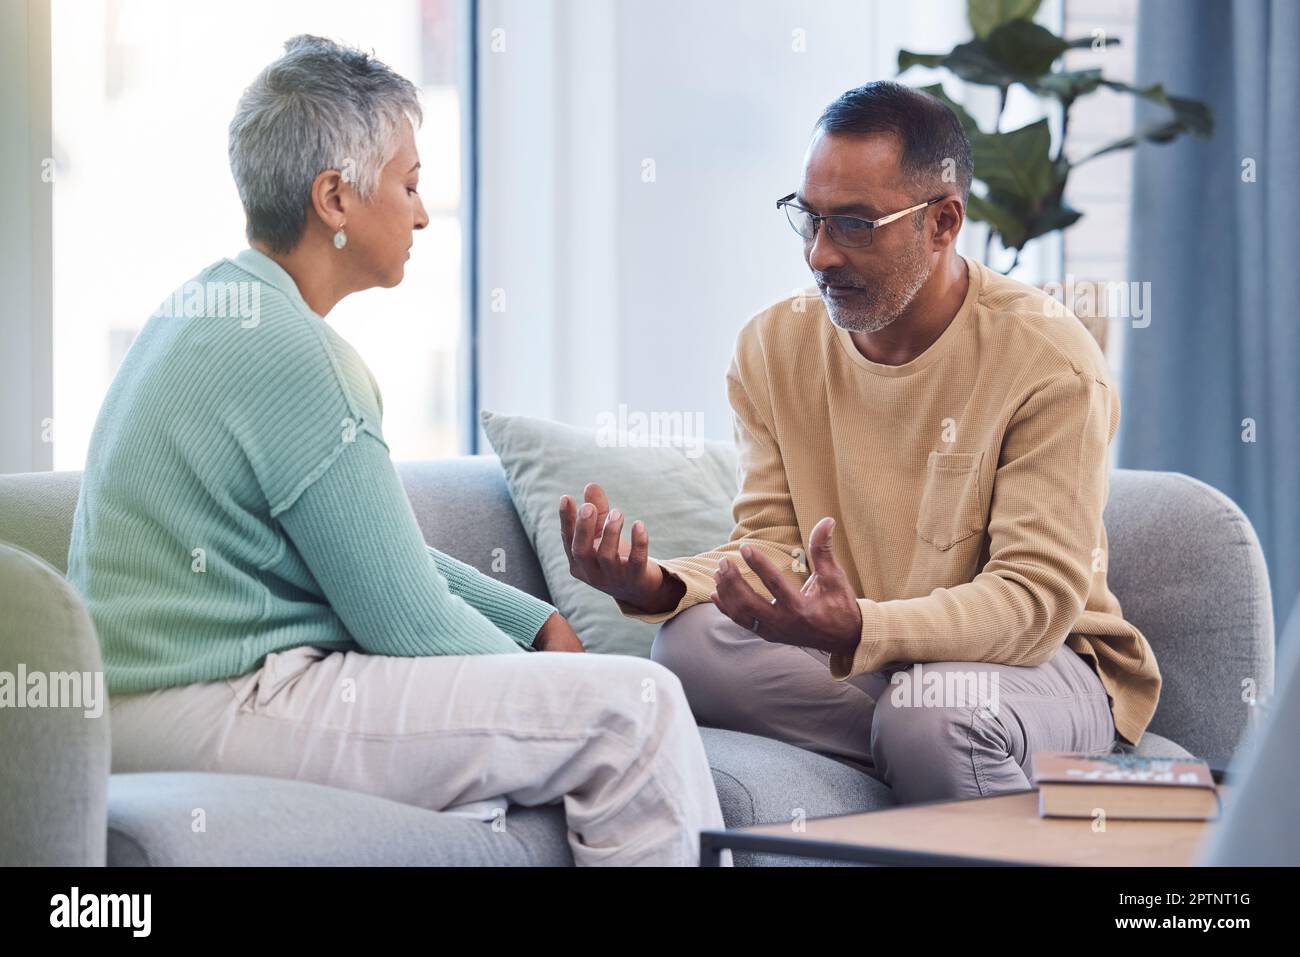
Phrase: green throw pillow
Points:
(682, 493)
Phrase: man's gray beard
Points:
(882, 312)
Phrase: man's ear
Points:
(949, 216)
(328, 198)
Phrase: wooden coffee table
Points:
(1001, 830)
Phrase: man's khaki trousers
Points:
(948, 730)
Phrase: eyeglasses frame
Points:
(875, 224)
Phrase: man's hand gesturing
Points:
(824, 614)
(600, 556)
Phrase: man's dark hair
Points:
(931, 135)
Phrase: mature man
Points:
(939, 434)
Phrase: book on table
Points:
(1124, 787)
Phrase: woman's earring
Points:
(340, 238)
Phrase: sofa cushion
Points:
(1154, 746)
(684, 499)
(764, 781)
(464, 509)
(259, 821)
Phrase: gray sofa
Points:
(1185, 564)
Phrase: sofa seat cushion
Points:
(260, 821)
(765, 781)
(1154, 746)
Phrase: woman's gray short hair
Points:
(320, 106)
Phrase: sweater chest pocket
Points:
(951, 505)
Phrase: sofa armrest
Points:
(55, 760)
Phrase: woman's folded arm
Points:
(515, 612)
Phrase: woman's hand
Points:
(557, 635)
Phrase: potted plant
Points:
(1024, 184)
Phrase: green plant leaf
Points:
(973, 62)
(1196, 116)
(1017, 163)
(1005, 222)
(1165, 132)
(1017, 51)
(906, 58)
(1067, 86)
(1189, 116)
(1023, 48)
(1054, 217)
(969, 60)
(984, 15)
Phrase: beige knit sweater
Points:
(967, 486)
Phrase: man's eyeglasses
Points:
(851, 231)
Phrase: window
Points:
(143, 92)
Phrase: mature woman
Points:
(263, 594)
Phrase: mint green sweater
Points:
(238, 499)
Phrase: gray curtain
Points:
(1221, 257)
